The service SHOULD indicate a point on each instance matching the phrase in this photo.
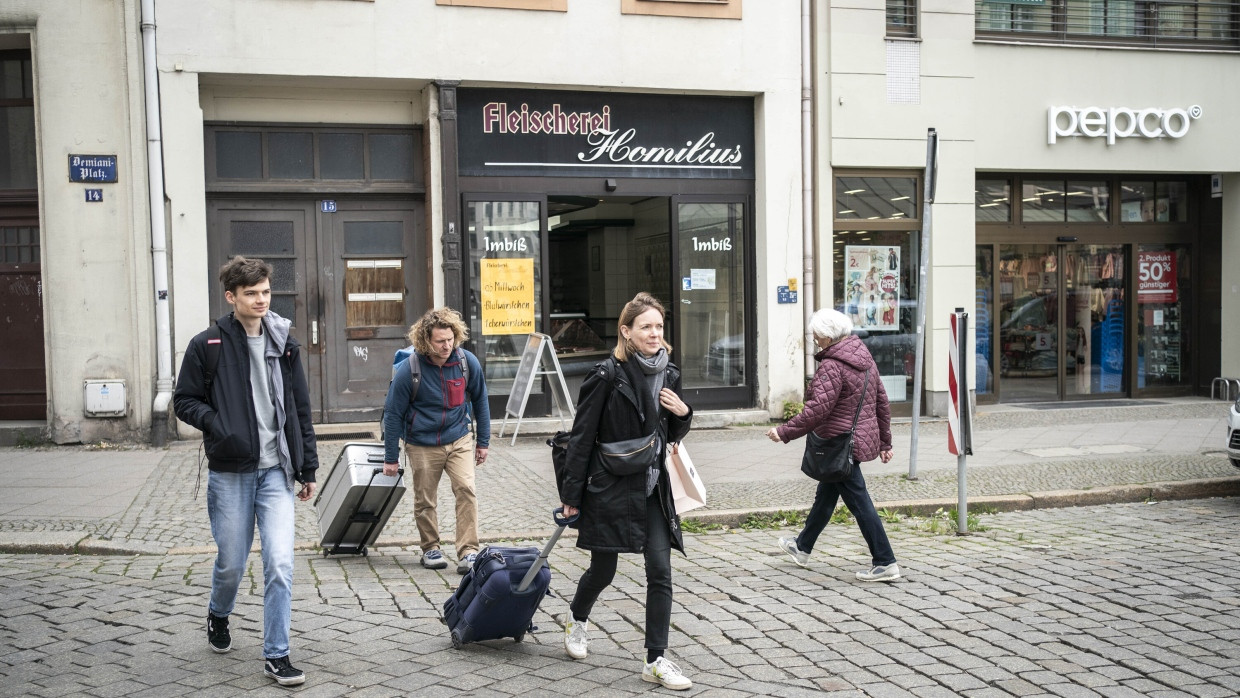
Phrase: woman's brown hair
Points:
(641, 303)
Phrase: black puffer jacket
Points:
(230, 433)
(613, 406)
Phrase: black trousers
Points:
(658, 578)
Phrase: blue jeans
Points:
(234, 502)
(857, 499)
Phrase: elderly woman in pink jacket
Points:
(830, 402)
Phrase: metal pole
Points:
(932, 147)
(962, 413)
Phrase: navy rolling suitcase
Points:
(498, 597)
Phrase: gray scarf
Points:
(655, 369)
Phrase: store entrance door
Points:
(1060, 321)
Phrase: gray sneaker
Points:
(433, 559)
(465, 564)
(882, 573)
(789, 545)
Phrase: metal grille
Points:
(1234, 442)
(1213, 24)
(902, 18)
(347, 436)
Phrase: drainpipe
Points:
(807, 185)
(159, 234)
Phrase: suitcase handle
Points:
(561, 523)
(562, 520)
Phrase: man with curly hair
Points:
(434, 420)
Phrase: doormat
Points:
(1088, 404)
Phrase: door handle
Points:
(314, 332)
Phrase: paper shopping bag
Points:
(688, 490)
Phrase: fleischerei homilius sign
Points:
(514, 132)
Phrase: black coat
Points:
(230, 433)
(612, 407)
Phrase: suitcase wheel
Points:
(364, 553)
(456, 639)
(518, 637)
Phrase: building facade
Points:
(388, 156)
(77, 339)
(1082, 211)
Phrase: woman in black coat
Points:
(632, 394)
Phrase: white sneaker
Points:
(789, 545)
(882, 573)
(664, 671)
(575, 642)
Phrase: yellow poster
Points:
(507, 296)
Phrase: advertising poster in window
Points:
(1156, 277)
(872, 286)
(507, 296)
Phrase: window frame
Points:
(1148, 31)
(317, 183)
(907, 10)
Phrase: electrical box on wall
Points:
(105, 398)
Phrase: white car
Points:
(1233, 433)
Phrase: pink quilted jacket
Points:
(831, 400)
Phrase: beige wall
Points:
(989, 104)
(270, 60)
(860, 128)
(96, 265)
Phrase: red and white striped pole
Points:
(959, 438)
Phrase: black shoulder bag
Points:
(830, 460)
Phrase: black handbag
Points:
(831, 460)
(630, 456)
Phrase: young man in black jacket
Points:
(242, 384)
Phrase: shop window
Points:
(1153, 202)
(993, 201)
(550, 5)
(877, 290)
(876, 250)
(1164, 316)
(901, 18)
(17, 152)
(716, 9)
(505, 285)
(1059, 201)
(875, 198)
(1147, 23)
(983, 347)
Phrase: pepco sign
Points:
(1118, 122)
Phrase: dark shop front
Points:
(571, 202)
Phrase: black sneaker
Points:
(217, 633)
(283, 672)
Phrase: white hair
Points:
(830, 324)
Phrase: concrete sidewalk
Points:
(141, 500)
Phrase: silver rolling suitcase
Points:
(357, 500)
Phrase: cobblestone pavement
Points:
(1115, 600)
(1018, 452)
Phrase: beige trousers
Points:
(428, 464)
